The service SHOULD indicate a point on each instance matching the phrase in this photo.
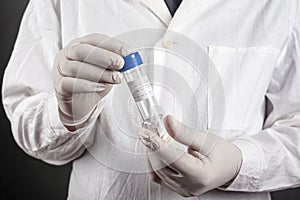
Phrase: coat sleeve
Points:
(28, 95)
(271, 158)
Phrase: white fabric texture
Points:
(256, 41)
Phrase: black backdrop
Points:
(23, 177)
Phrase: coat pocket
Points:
(244, 75)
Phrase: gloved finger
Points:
(165, 170)
(169, 172)
(94, 55)
(153, 162)
(175, 186)
(106, 42)
(67, 85)
(163, 154)
(195, 153)
(152, 175)
(200, 141)
(89, 72)
(182, 133)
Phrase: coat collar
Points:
(159, 9)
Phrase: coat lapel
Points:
(159, 9)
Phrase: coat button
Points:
(166, 43)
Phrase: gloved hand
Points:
(209, 162)
(83, 74)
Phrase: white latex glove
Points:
(209, 162)
(83, 74)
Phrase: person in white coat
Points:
(254, 45)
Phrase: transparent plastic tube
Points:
(145, 100)
(142, 92)
(151, 112)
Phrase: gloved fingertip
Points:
(124, 50)
(118, 63)
(171, 124)
(100, 87)
(117, 77)
(171, 120)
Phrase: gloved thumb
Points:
(201, 141)
(181, 133)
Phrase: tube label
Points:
(141, 89)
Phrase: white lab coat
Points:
(253, 44)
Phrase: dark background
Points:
(23, 177)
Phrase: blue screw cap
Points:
(131, 61)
